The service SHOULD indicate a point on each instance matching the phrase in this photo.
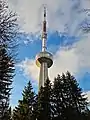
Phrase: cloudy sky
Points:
(68, 40)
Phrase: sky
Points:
(68, 41)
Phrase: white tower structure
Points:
(44, 59)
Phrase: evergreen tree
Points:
(25, 108)
(57, 98)
(44, 105)
(8, 25)
(6, 74)
(7, 34)
(79, 101)
(68, 101)
(62, 101)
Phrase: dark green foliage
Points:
(88, 115)
(8, 26)
(68, 100)
(7, 33)
(63, 100)
(44, 106)
(25, 108)
(6, 74)
(58, 99)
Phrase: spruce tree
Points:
(7, 34)
(79, 101)
(8, 25)
(68, 101)
(25, 108)
(44, 105)
(6, 75)
(57, 98)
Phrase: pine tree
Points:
(8, 25)
(79, 101)
(6, 74)
(44, 105)
(68, 100)
(7, 34)
(58, 99)
(25, 108)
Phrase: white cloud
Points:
(75, 59)
(64, 60)
(83, 52)
(62, 14)
(72, 59)
(29, 67)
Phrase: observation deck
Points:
(45, 57)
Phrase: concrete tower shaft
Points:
(44, 59)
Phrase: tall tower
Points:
(44, 59)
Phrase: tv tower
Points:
(44, 59)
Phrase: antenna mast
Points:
(44, 34)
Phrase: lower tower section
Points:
(43, 74)
(44, 60)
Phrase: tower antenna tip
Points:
(44, 11)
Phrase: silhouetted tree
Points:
(88, 115)
(6, 75)
(68, 101)
(8, 28)
(8, 25)
(58, 99)
(44, 105)
(61, 101)
(25, 108)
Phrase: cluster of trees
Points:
(62, 100)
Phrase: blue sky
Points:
(66, 40)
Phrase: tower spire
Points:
(44, 33)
